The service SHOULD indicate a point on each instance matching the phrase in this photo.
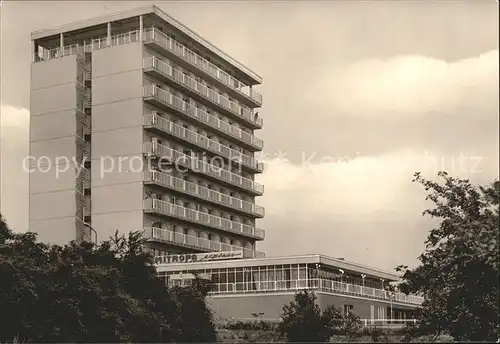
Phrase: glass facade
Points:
(288, 277)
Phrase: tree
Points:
(341, 324)
(458, 274)
(197, 320)
(302, 321)
(88, 293)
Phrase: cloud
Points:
(413, 86)
(14, 145)
(359, 208)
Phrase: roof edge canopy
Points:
(301, 259)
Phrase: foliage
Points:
(341, 324)
(250, 325)
(302, 320)
(87, 293)
(458, 274)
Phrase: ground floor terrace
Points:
(245, 289)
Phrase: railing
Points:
(204, 142)
(201, 166)
(120, 39)
(201, 218)
(204, 193)
(214, 122)
(172, 73)
(315, 283)
(190, 240)
(152, 34)
(388, 323)
(49, 54)
(335, 286)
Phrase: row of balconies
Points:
(166, 126)
(152, 35)
(202, 244)
(160, 207)
(167, 72)
(155, 36)
(203, 193)
(199, 166)
(172, 102)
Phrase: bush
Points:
(86, 293)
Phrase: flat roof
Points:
(300, 259)
(150, 9)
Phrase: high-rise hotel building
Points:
(137, 122)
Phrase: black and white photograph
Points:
(249, 171)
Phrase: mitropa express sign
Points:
(197, 257)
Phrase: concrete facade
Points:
(162, 124)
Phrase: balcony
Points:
(182, 213)
(199, 166)
(203, 193)
(205, 245)
(318, 284)
(164, 98)
(152, 120)
(165, 71)
(161, 40)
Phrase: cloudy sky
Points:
(357, 97)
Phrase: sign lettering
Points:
(197, 257)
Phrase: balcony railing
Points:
(316, 284)
(205, 219)
(160, 38)
(197, 242)
(120, 39)
(198, 114)
(201, 166)
(95, 44)
(204, 142)
(50, 54)
(201, 192)
(150, 35)
(165, 69)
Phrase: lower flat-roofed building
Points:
(258, 288)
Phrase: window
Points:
(348, 309)
(185, 231)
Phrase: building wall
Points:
(117, 136)
(53, 126)
(242, 306)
